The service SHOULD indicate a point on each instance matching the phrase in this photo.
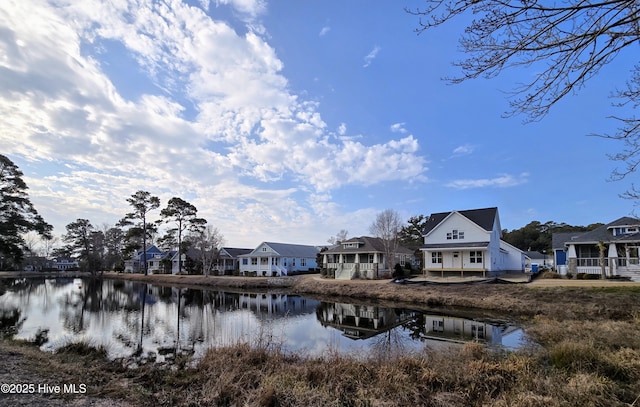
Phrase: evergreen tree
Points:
(17, 214)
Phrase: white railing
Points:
(591, 270)
(632, 261)
(592, 262)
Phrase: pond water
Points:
(155, 322)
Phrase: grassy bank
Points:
(585, 351)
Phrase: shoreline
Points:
(559, 298)
(586, 331)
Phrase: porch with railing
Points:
(349, 271)
(591, 265)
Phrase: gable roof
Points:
(366, 244)
(484, 218)
(287, 250)
(235, 252)
(604, 233)
(558, 240)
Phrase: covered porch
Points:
(620, 259)
(448, 261)
(348, 266)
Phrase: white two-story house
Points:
(468, 242)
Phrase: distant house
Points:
(540, 260)
(66, 264)
(136, 263)
(468, 242)
(228, 260)
(621, 240)
(278, 259)
(363, 257)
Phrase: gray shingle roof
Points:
(235, 252)
(469, 245)
(559, 239)
(603, 234)
(289, 250)
(484, 218)
(367, 245)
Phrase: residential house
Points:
(468, 241)
(135, 263)
(66, 264)
(278, 259)
(228, 260)
(620, 240)
(363, 257)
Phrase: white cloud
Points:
(252, 8)
(368, 59)
(502, 181)
(324, 31)
(248, 130)
(464, 149)
(398, 128)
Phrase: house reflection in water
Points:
(456, 329)
(277, 305)
(361, 321)
(367, 321)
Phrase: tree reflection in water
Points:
(152, 323)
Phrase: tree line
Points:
(107, 247)
(98, 248)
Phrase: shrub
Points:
(550, 274)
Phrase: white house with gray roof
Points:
(278, 259)
(468, 242)
(621, 240)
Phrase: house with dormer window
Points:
(363, 257)
(278, 259)
(467, 243)
(620, 241)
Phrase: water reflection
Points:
(157, 323)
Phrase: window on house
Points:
(438, 326)
(245, 261)
(449, 236)
(293, 262)
(455, 234)
(477, 331)
(436, 257)
(370, 258)
(475, 257)
(460, 235)
(264, 249)
(254, 261)
(303, 262)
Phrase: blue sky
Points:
(286, 121)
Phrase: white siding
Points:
(455, 221)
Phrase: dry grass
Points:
(586, 353)
(599, 369)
